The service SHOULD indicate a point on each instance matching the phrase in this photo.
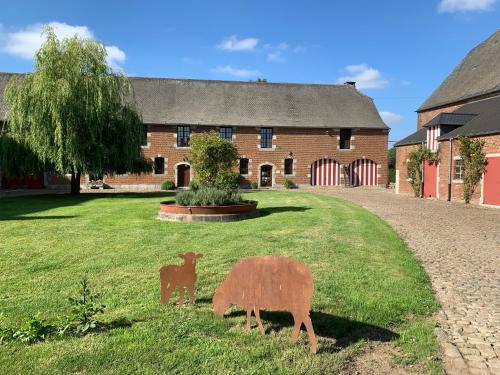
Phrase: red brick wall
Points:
(306, 145)
(491, 146)
(402, 185)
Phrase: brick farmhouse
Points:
(311, 134)
(467, 103)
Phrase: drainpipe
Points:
(422, 174)
(449, 169)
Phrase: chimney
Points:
(351, 84)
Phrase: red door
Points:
(25, 182)
(491, 184)
(430, 179)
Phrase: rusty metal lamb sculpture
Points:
(273, 283)
(180, 277)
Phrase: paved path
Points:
(459, 247)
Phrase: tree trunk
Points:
(75, 183)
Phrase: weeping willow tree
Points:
(74, 112)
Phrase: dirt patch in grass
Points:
(377, 359)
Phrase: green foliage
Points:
(83, 310)
(74, 113)
(474, 164)
(193, 184)
(415, 166)
(260, 80)
(80, 322)
(254, 185)
(211, 156)
(32, 330)
(288, 184)
(228, 181)
(16, 159)
(168, 185)
(208, 197)
(391, 158)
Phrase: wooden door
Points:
(183, 175)
(430, 179)
(491, 184)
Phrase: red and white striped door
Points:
(325, 172)
(363, 172)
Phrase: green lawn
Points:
(368, 286)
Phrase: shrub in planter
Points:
(211, 156)
(254, 185)
(167, 185)
(288, 184)
(208, 197)
(228, 181)
(194, 185)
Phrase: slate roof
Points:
(486, 122)
(455, 119)
(413, 139)
(212, 103)
(477, 74)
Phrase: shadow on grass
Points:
(345, 331)
(276, 210)
(116, 324)
(16, 208)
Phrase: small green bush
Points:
(84, 308)
(184, 198)
(254, 185)
(194, 185)
(208, 197)
(288, 184)
(31, 330)
(168, 185)
(228, 181)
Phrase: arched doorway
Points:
(183, 175)
(363, 172)
(266, 176)
(325, 172)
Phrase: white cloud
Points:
(275, 56)
(24, 43)
(391, 118)
(234, 44)
(236, 72)
(452, 6)
(365, 77)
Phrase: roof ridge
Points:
(241, 82)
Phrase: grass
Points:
(368, 286)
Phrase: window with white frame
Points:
(458, 169)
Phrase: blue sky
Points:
(397, 51)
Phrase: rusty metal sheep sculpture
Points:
(180, 277)
(271, 283)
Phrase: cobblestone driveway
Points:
(460, 249)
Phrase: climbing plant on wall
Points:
(415, 167)
(474, 164)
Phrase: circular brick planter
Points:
(169, 211)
